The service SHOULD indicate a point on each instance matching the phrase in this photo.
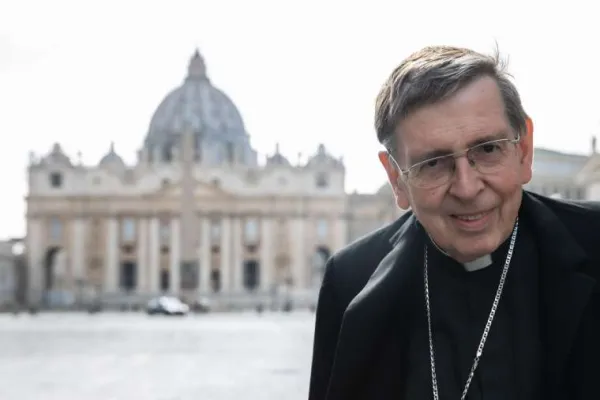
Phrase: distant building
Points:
(8, 276)
(566, 176)
(554, 173)
(197, 215)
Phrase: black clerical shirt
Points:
(510, 367)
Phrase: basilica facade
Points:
(197, 215)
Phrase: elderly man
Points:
(482, 290)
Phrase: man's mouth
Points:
(472, 222)
(469, 217)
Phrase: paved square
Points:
(134, 356)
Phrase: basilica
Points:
(197, 215)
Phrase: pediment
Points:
(201, 190)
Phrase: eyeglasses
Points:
(487, 158)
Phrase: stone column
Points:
(267, 253)
(111, 261)
(226, 254)
(298, 254)
(61, 278)
(78, 265)
(340, 233)
(175, 258)
(205, 245)
(142, 256)
(237, 256)
(35, 267)
(154, 256)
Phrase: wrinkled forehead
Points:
(473, 115)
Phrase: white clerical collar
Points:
(479, 263)
(475, 265)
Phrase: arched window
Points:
(230, 152)
(167, 154)
(321, 180)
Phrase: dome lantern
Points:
(197, 67)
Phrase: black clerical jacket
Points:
(372, 288)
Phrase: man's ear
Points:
(393, 174)
(526, 153)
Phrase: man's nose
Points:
(467, 182)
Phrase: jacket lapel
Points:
(388, 297)
(564, 292)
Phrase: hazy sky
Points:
(301, 72)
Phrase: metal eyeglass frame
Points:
(405, 173)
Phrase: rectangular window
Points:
(128, 229)
(165, 230)
(322, 229)
(55, 229)
(215, 230)
(251, 230)
(321, 180)
(56, 180)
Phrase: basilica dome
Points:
(197, 105)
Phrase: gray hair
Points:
(433, 74)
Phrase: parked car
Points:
(167, 305)
(202, 305)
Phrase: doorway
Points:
(49, 260)
(251, 274)
(128, 275)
